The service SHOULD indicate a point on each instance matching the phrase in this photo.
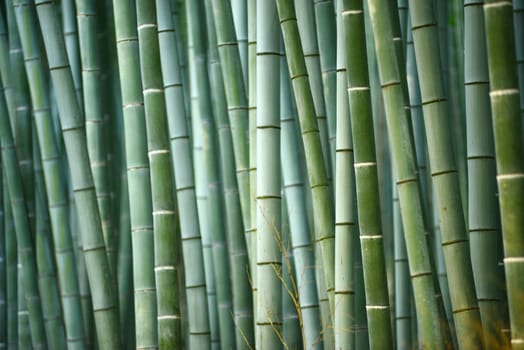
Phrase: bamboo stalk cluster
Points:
(306, 174)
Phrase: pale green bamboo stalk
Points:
(138, 175)
(268, 202)
(95, 123)
(57, 196)
(47, 281)
(28, 288)
(251, 231)
(196, 27)
(366, 177)
(509, 152)
(235, 234)
(292, 323)
(97, 265)
(305, 15)
(11, 269)
(236, 97)
(345, 215)
(326, 30)
(317, 174)
(239, 9)
(301, 242)
(484, 219)
(199, 332)
(69, 26)
(202, 198)
(404, 161)
(444, 176)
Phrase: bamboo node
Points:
(504, 92)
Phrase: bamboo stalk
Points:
(404, 161)
(366, 177)
(138, 174)
(214, 202)
(268, 202)
(97, 265)
(316, 170)
(346, 230)
(57, 197)
(305, 15)
(484, 220)
(509, 152)
(92, 88)
(301, 242)
(444, 176)
(3, 274)
(162, 194)
(11, 269)
(47, 281)
(28, 288)
(199, 332)
(236, 97)
(202, 198)
(239, 261)
(70, 29)
(326, 30)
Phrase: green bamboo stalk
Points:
(23, 326)
(57, 197)
(202, 198)
(453, 50)
(184, 176)
(326, 31)
(92, 87)
(28, 288)
(139, 183)
(47, 280)
(268, 218)
(240, 19)
(317, 174)
(484, 220)
(5, 68)
(402, 288)
(69, 27)
(22, 125)
(162, 193)
(366, 177)
(308, 37)
(3, 274)
(11, 270)
(509, 152)
(83, 283)
(404, 161)
(301, 242)
(97, 265)
(518, 22)
(239, 262)
(345, 215)
(444, 176)
(220, 263)
(125, 257)
(236, 97)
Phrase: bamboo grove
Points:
(243, 174)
